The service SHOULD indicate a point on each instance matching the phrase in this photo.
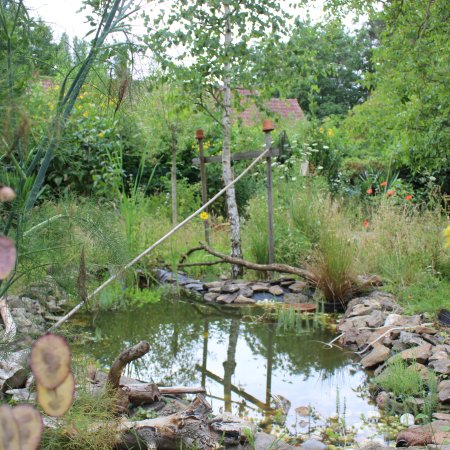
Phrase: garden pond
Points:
(250, 366)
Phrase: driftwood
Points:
(8, 321)
(185, 429)
(174, 390)
(280, 268)
(123, 359)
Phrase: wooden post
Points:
(199, 135)
(267, 128)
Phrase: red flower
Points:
(384, 183)
(370, 191)
(390, 193)
(366, 223)
(408, 197)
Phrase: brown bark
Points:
(281, 268)
(123, 359)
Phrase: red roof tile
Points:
(252, 115)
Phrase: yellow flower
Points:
(330, 132)
(101, 135)
(321, 129)
(81, 96)
(85, 114)
(204, 215)
(446, 234)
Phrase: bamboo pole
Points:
(158, 242)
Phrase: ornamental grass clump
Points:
(333, 267)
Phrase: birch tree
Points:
(212, 41)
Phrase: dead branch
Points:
(188, 253)
(123, 359)
(280, 268)
(8, 321)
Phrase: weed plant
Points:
(89, 424)
(406, 382)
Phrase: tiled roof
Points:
(251, 115)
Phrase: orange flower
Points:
(390, 193)
(384, 184)
(408, 197)
(370, 191)
(366, 223)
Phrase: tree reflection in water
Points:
(242, 364)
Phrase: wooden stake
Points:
(267, 130)
(203, 180)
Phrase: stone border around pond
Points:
(376, 328)
(239, 292)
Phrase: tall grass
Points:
(90, 423)
(402, 243)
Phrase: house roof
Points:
(252, 115)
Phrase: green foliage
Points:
(401, 379)
(407, 381)
(320, 64)
(406, 116)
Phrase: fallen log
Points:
(186, 429)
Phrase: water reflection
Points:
(244, 365)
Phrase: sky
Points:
(62, 15)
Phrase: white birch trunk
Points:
(227, 172)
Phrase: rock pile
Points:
(240, 292)
(375, 327)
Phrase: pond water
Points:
(248, 366)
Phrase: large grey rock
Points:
(444, 391)
(210, 297)
(298, 286)
(242, 300)
(373, 446)
(420, 354)
(361, 310)
(213, 284)
(441, 366)
(259, 287)
(353, 322)
(438, 355)
(410, 339)
(378, 355)
(376, 319)
(246, 291)
(379, 300)
(295, 298)
(264, 441)
(229, 288)
(276, 290)
(393, 320)
(313, 444)
(227, 298)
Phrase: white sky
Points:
(62, 15)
